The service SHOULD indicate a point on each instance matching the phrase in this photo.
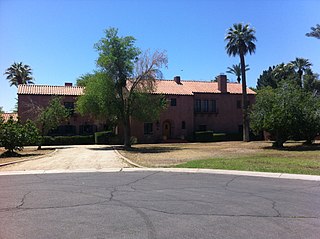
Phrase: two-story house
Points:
(195, 106)
(192, 106)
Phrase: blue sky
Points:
(56, 37)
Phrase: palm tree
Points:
(301, 65)
(315, 32)
(240, 40)
(236, 70)
(18, 74)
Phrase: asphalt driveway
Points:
(161, 205)
(75, 157)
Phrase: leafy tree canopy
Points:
(52, 116)
(286, 112)
(123, 86)
(14, 135)
(290, 72)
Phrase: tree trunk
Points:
(245, 117)
(127, 132)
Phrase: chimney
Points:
(177, 79)
(67, 84)
(222, 83)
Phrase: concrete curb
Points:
(173, 170)
(25, 160)
(126, 159)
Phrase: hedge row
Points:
(68, 140)
(209, 136)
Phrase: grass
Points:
(253, 156)
(260, 163)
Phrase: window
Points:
(213, 106)
(205, 106)
(202, 127)
(173, 102)
(197, 106)
(239, 106)
(148, 128)
(69, 106)
(183, 125)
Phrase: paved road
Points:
(73, 158)
(157, 205)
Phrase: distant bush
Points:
(68, 140)
(14, 135)
(203, 136)
(103, 137)
(209, 136)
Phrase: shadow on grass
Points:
(102, 149)
(16, 155)
(149, 150)
(298, 148)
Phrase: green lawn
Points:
(261, 163)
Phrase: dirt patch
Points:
(166, 155)
(27, 153)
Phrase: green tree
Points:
(51, 117)
(18, 74)
(301, 65)
(315, 32)
(126, 89)
(84, 79)
(1, 110)
(286, 112)
(236, 70)
(100, 98)
(267, 79)
(240, 41)
(311, 82)
(14, 135)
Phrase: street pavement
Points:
(152, 204)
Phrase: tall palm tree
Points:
(240, 41)
(301, 65)
(18, 74)
(236, 70)
(315, 32)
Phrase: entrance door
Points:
(166, 130)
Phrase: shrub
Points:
(209, 136)
(203, 136)
(103, 137)
(14, 135)
(68, 140)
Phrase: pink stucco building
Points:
(192, 106)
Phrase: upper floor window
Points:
(197, 106)
(148, 128)
(205, 106)
(213, 106)
(173, 102)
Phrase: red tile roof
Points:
(49, 90)
(167, 87)
(6, 116)
(170, 87)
